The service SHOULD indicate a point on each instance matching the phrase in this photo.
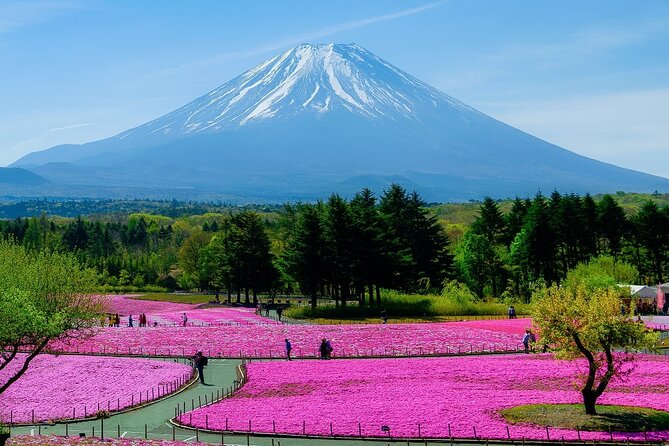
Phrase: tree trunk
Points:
(378, 296)
(314, 300)
(239, 295)
(371, 295)
(246, 295)
(589, 400)
(255, 297)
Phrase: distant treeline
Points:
(17, 207)
(351, 249)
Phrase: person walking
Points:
(512, 312)
(117, 320)
(130, 321)
(279, 312)
(289, 347)
(200, 362)
(184, 320)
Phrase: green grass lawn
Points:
(178, 298)
(572, 416)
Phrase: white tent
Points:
(643, 292)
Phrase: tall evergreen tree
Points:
(305, 253)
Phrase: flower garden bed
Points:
(125, 304)
(267, 340)
(72, 387)
(457, 397)
(37, 440)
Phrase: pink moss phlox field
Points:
(512, 326)
(38, 440)
(461, 392)
(267, 340)
(125, 305)
(69, 383)
(211, 316)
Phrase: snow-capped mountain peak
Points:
(307, 78)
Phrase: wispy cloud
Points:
(581, 45)
(68, 127)
(15, 15)
(299, 38)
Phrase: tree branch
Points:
(7, 358)
(26, 363)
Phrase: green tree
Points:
(43, 297)
(612, 224)
(369, 254)
(304, 255)
(578, 323)
(340, 251)
(652, 240)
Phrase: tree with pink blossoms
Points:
(43, 297)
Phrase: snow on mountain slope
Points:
(305, 79)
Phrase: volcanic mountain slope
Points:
(323, 118)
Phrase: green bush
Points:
(399, 305)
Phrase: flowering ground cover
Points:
(420, 397)
(211, 316)
(267, 340)
(511, 326)
(66, 386)
(39, 440)
(125, 304)
(170, 313)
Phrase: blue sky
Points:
(591, 76)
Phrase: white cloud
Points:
(15, 15)
(628, 129)
(298, 38)
(68, 127)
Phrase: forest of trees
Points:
(349, 250)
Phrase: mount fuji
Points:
(329, 118)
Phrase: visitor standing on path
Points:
(328, 349)
(200, 362)
(130, 321)
(289, 347)
(279, 312)
(526, 340)
(323, 349)
(184, 320)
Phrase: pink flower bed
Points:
(63, 387)
(444, 396)
(512, 326)
(268, 340)
(51, 440)
(211, 316)
(125, 305)
(169, 313)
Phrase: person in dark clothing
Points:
(200, 361)
(324, 349)
(384, 316)
(279, 312)
(289, 347)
